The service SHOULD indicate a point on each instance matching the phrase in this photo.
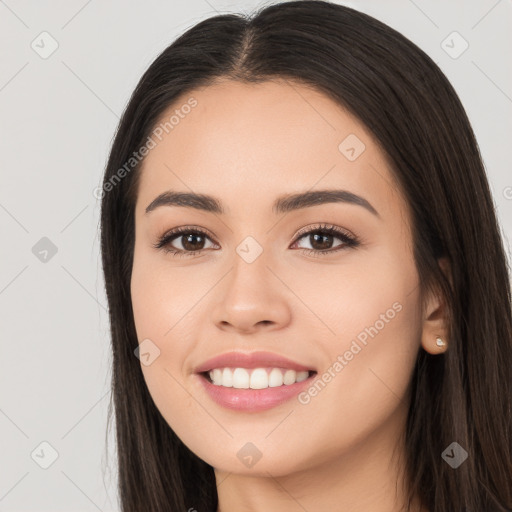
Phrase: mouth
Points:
(251, 393)
(255, 378)
(254, 381)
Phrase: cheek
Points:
(372, 355)
(364, 387)
(372, 313)
(163, 295)
(163, 301)
(151, 305)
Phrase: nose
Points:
(251, 298)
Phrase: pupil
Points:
(187, 244)
(314, 239)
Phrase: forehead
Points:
(258, 141)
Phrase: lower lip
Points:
(253, 400)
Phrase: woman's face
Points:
(270, 279)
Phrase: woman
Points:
(366, 370)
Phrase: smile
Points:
(261, 389)
(257, 378)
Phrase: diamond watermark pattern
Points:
(249, 249)
(249, 455)
(44, 45)
(44, 250)
(454, 455)
(454, 45)
(147, 352)
(351, 147)
(44, 455)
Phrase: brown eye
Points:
(192, 241)
(183, 241)
(321, 240)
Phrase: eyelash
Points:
(348, 240)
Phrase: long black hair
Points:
(404, 99)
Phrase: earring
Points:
(440, 342)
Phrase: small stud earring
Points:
(440, 342)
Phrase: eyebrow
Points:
(283, 204)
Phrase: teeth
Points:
(275, 378)
(240, 379)
(258, 378)
(227, 378)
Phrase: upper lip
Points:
(251, 360)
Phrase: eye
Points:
(321, 238)
(191, 239)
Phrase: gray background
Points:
(58, 115)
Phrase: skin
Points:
(247, 145)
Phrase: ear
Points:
(435, 317)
